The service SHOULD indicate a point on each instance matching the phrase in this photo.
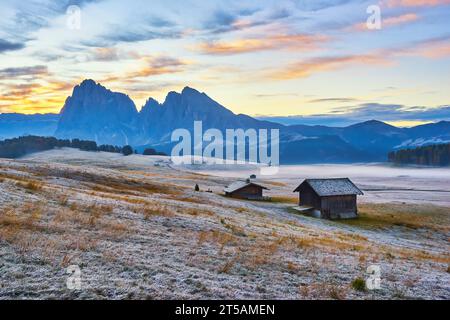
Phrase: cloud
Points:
(415, 3)
(153, 66)
(25, 19)
(129, 35)
(111, 54)
(341, 100)
(10, 46)
(431, 48)
(393, 112)
(16, 92)
(145, 87)
(34, 71)
(150, 28)
(13, 92)
(32, 97)
(316, 5)
(434, 48)
(240, 19)
(306, 68)
(105, 54)
(387, 22)
(274, 95)
(223, 21)
(298, 42)
(369, 111)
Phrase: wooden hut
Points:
(245, 190)
(329, 198)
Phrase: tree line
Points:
(432, 155)
(19, 147)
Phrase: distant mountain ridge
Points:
(95, 113)
(16, 124)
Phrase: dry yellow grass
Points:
(26, 217)
(109, 184)
(236, 230)
(325, 291)
(404, 215)
(275, 183)
(34, 227)
(154, 209)
(10, 176)
(34, 186)
(217, 238)
(285, 199)
(188, 199)
(226, 268)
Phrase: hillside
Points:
(138, 230)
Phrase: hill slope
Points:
(137, 230)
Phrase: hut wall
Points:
(308, 197)
(333, 207)
(252, 192)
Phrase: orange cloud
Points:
(152, 67)
(106, 54)
(415, 3)
(302, 42)
(434, 49)
(31, 106)
(388, 22)
(306, 68)
(34, 97)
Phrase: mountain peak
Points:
(374, 122)
(89, 86)
(192, 95)
(371, 123)
(88, 83)
(151, 101)
(189, 90)
(94, 112)
(149, 105)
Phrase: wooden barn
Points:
(245, 190)
(329, 198)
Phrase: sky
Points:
(311, 61)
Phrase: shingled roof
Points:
(332, 187)
(238, 185)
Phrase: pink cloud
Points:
(298, 42)
(415, 3)
(389, 22)
(431, 49)
(309, 67)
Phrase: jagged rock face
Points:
(181, 110)
(96, 113)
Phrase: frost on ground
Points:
(137, 230)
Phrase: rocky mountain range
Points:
(93, 112)
(96, 113)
